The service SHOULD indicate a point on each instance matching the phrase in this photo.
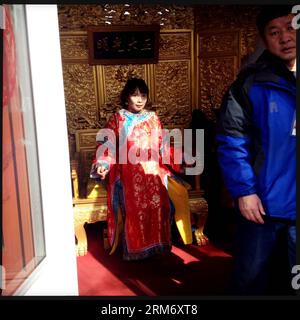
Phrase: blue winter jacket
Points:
(256, 136)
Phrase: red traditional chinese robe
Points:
(137, 190)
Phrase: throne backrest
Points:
(85, 152)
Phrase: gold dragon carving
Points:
(76, 18)
(227, 36)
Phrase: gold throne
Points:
(89, 197)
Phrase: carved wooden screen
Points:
(173, 78)
(217, 65)
(92, 92)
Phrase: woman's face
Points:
(137, 101)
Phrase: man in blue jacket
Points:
(257, 151)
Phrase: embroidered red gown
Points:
(137, 191)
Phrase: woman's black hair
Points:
(131, 86)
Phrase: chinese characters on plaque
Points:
(123, 44)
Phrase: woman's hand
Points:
(102, 172)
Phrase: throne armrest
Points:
(74, 176)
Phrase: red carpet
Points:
(187, 271)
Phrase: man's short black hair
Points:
(269, 13)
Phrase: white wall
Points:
(57, 274)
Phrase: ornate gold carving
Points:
(74, 17)
(74, 47)
(216, 18)
(86, 213)
(77, 17)
(87, 110)
(201, 238)
(90, 213)
(220, 22)
(249, 39)
(81, 103)
(175, 45)
(173, 92)
(223, 43)
(198, 205)
(115, 78)
(224, 17)
(86, 139)
(199, 209)
(218, 65)
(216, 74)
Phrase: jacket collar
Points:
(268, 62)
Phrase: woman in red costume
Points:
(141, 189)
